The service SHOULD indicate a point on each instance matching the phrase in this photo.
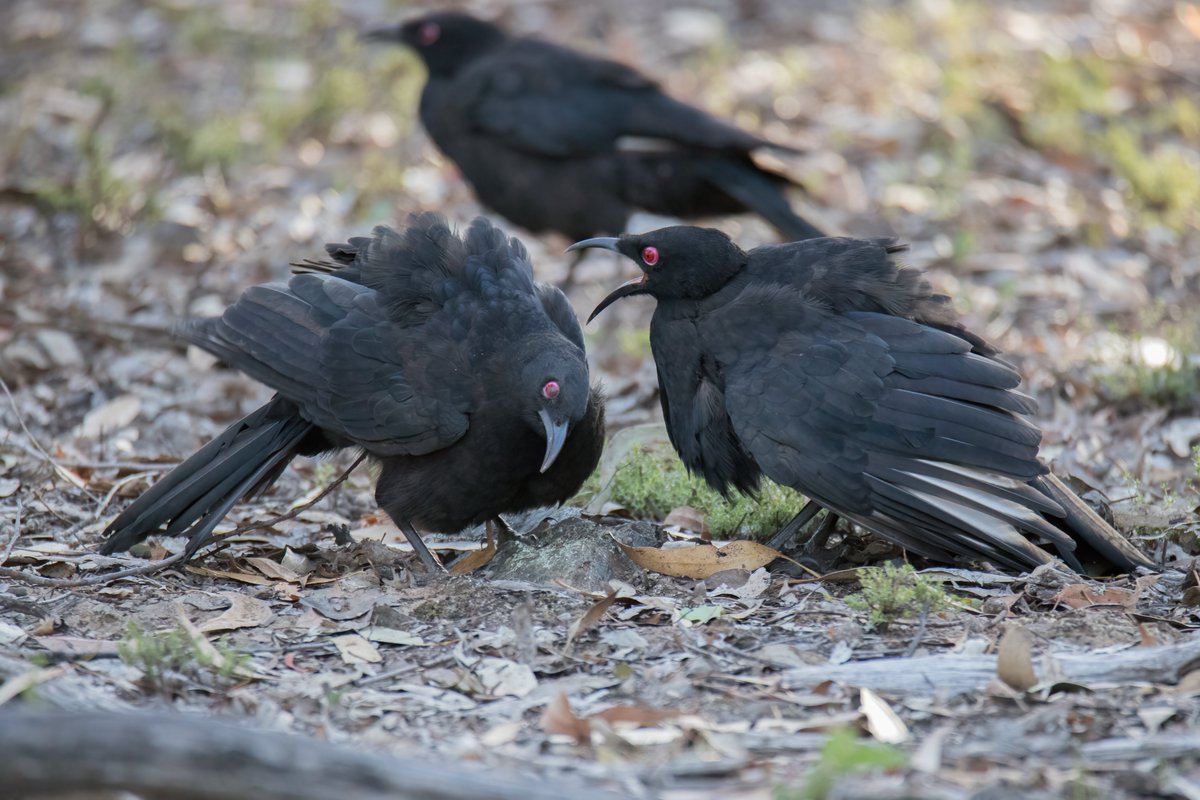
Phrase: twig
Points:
(920, 634)
(116, 487)
(8, 548)
(91, 580)
(295, 512)
(21, 421)
(158, 566)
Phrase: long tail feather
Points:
(193, 498)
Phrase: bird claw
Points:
(813, 554)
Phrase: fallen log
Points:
(193, 758)
(954, 674)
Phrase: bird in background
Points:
(829, 368)
(556, 140)
(437, 355)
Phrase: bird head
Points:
(554, 394)
(680, 262)
(444, 41)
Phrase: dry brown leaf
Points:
(243, 612)
(1080, 595)
(1014, 664)
(478, 559)
(560, 719)
(78, 646)
(354, 649)
(590, 617)
(703, 560)
(634, 715)
(241, 577)
(687, 518)
(273, 569)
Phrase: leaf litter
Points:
(682, 672)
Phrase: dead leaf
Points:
(10, 634)
(273, 569)
(590, 617)
(113, 415)
(1189, 685)
(1080, 595)
(243, 612)
(478, 559)
(78, 646)
(19, 684)
(558, 718)
(882, 722)
(703, 560)
(241, 577)
(503, 678)
(383, 635)
(1014, 664)
(502, 734)
(214, 656)
(638, 716)
(701, 614)
(354, 649)
(686, 518)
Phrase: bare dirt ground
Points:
(1042, 158)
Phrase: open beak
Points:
(387, 33)
(635, 286)
(556, 436)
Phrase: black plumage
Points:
(437, 355)
(829, 368)
(555, 140)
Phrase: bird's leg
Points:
(821, 535)
(430, 561)
(812, 553)
(789, 531)
(504, 531)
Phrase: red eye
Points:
(429, 33)
(550, 390)
(650, 256)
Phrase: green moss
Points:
(649, 483)
(890, 593)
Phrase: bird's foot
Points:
(814, 554)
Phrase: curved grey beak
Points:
(556, 437)
(635, 286)
(603, 242)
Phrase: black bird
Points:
(555, 140)
(437, 355)
(829, 368)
